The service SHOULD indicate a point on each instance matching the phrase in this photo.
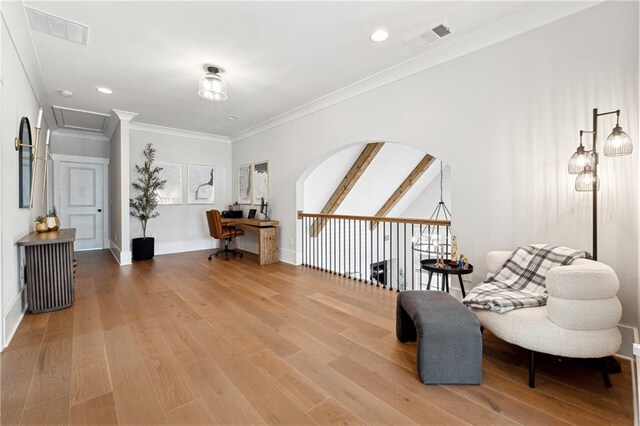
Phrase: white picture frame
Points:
(201, 184)
(245, 190)
(172, 191)
(260, 182)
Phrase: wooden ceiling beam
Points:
(346, 185)
(404, 187)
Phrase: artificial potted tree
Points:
(143, 206)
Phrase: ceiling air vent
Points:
(56, 26)
(429, 36)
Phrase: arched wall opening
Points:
(356, 248)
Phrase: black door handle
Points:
(99, 210)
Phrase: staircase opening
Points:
(373, 211)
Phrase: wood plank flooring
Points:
(183, 340)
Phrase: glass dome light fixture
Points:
(580, 159)
(618, 143)
(212, 86)
(586, 180)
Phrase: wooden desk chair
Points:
(221, 232)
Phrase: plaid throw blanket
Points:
(520, 283)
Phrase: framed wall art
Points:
(201, 184)
(172, 191)
(244, 184)
(260, 182)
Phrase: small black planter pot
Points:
(142, 248)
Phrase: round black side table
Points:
(430, 265)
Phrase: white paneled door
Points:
(79, 190)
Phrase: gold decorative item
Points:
(40, 224)
(53, 222)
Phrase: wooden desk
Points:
(267, 231)
(49, 273)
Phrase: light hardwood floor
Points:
(182, 340)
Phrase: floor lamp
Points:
(584, 163)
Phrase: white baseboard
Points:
(122, 257)
(629, 337)
(14, 316)
(125, 258)
(289, 256)
(185, 246)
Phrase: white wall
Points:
(506, 119)
(17, 100)
(83, 144)
(182, 227)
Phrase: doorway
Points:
(80, 194)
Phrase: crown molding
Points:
(483, 34)
(153, 128)
(117, 116)
(124, 115)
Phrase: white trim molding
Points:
(116, 117)
(79, 159)
(153, 128)
(68, 133)
(13, 318)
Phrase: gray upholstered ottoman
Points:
(448, 336)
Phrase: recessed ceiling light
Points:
(379, 35)
(66, 93)
(231, 117)
(105, 90)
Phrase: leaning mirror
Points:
(25, 163)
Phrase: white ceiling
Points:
(278, 56)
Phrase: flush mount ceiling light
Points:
(379, 35)
(104, 90)
(211, 86)
(231, 117)
(66, 93)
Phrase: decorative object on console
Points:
(171, 192)
(585, 163)
(53, 222)
(143, 206)
(40, 224)
(260, 182)
(211, 86)
(201, 184)
(244, 184)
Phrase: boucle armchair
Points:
(580, 318)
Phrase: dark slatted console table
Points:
(49, 269)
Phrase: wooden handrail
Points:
(377, 219)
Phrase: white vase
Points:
(51, 222)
